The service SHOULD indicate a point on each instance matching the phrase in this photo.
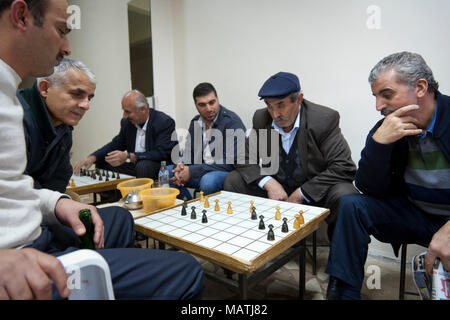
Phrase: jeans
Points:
(209, 183)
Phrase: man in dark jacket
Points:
(143, 142)
(48, 124)
(403, 174)
(212, 146)
(310, 161)
(52, 107)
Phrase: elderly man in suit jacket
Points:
(143, 142)
(310, 160)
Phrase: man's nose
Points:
(65, 49)
(84, 104)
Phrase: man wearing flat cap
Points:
(313, 160)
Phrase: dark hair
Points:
(203, 89)
(38, 9)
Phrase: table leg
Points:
(243, 286)
(302, 269)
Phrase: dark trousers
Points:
(392, 220)
(136, 273)
(142, 169)
(234, 182)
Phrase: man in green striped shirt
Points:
(404, 175)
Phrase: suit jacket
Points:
(158, 142)
(324, 153)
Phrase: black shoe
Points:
(333, 289)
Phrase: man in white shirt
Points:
(33, 41)
(143, 142)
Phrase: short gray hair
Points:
(139, 99)
(410, 68)
(60, 71)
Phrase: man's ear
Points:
(43, 87)
(421, 88)
(300, 98)
(20, 15)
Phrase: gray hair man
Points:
(52, 108)
(403, 174)
(143, 142)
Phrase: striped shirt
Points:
(427, 174)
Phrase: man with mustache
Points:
(315, 164)
(208, 165)
(403, 174)
(32, 42)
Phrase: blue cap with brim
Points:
(279, 86)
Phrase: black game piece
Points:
(103, 173)
(193, 214)
(270, 234)
(107, 178)
(254, 216)
(118, 176)
(284, 227)
(183, 209)
(204, 218)
(261, 223)
(100, 177)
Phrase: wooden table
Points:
(250, 270)
(95, 186)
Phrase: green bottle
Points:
(87, 240)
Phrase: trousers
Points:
(210, 183)
(391, 220)
(142, 169)
(136, 273)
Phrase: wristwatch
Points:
(128, 158)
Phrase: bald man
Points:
(143, 142)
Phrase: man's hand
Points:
(275, 190)
(181, 174)
(116, 158)
(85, 164)
(27, 274)
(67, 211)
(397, 125)
(296, 197)
(439, 248)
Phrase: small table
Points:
(86, 185)
(234, 241)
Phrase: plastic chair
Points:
(89, 277)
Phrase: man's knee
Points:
(233, 182)
(211, 183)
(147, 169)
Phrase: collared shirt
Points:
(430, 128)
(287, 138)
(140, 137)
(207, 156)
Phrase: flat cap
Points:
(279, 86)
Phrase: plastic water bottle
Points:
(163, 176)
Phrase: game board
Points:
(233, 241)
(86, 184)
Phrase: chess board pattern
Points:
(87, 180)
(231, 234)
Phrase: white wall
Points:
(102, 44)
(238, 44)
